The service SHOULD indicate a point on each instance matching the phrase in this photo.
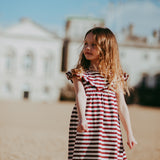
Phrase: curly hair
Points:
(109, 61)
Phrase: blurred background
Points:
(41, 40)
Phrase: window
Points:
(146, 56)
(144, 80)
(10, 60)
(28, 62)
(7, 87)
(46, 90)
(48, 65)
(26, 91)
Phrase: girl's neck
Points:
(93, 67)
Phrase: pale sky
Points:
(52, 14)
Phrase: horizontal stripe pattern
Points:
(103, 141)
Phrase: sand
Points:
(39, 131)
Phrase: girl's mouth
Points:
(88, 53)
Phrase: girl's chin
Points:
(88, 57)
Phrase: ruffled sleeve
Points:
(71, 74)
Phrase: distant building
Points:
(33, 60)
(30, 58)
(76, 27)
(139, 56)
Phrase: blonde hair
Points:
(109, 62)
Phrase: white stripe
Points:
(98, 108)
(94, 78)
(101, 102)
(96, 145)
(100, 154)
(85, 134)
(74, 120)
(101, 116)
(90, 134)
(80, 134)
(98, 85)
(113, 96)
(88, 149)
(108, 123)
(102, 81)
(104, 118)
(105, 130)
(98, 125)
(101, 96)
(100, 139)
(103, 109)
(111, 104)
(107, 91)
(99, 158)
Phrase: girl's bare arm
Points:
(125, 118)
(81, 105)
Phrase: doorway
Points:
(26, 95)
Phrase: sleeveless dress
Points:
(103, 141)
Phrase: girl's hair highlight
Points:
(109, 61)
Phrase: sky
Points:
(52, 14)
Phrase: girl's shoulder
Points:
(85, 75)
(74, 73)
(78, 73)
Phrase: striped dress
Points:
(103, 141)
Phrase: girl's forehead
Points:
(90, 37)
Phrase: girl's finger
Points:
(133, 143)
(129, 144)
(86, 130)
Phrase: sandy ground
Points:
(39, 131)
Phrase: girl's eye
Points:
(85, 43)
(94, 45)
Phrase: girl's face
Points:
(90, 49)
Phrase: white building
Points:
(138, 57)
(30, 58)
(33, 60)
(139, 61)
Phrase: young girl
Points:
(100, 85)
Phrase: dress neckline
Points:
(93, 71)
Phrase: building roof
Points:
(27, 28)
(85, 18)
(129, 39)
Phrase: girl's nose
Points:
(88, 47)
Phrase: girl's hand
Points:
(82, 126)
(131, 142)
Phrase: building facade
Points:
(30, 58)
(33, 60)
(140, 57)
